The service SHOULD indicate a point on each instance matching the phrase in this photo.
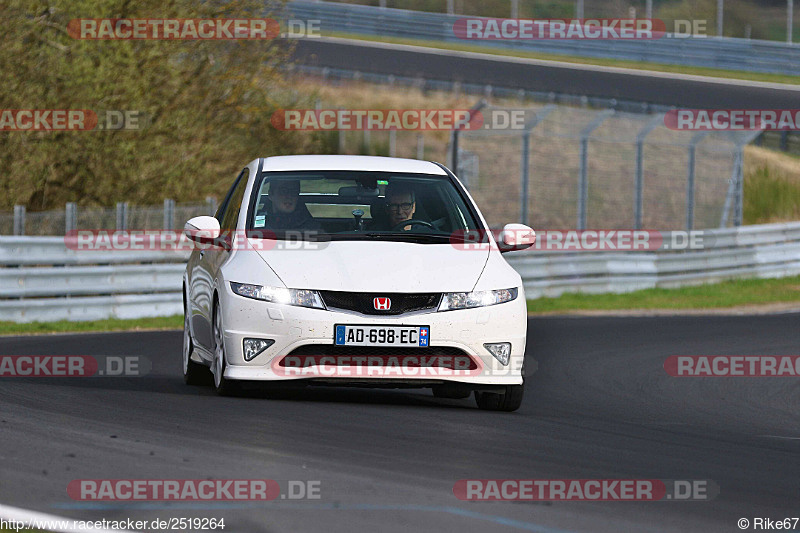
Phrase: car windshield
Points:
(349, 205)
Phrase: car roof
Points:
(350, 162)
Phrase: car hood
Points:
(359, 266)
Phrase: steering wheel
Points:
(411, 222)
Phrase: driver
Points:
(400, 204)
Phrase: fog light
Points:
(500, 350)
(253, 347)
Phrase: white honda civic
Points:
(357, 271)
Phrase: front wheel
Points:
(224, 387)
(508, 400)
(193, 373)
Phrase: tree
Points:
(204, 105)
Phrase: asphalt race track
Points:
(546, 76)
(600, 406)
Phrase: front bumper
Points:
(294, 327)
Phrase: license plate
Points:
(404, 336)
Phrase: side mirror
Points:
(516, 237)
(204, 230)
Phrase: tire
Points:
(193, 373)
(223, 387)
(510, 400)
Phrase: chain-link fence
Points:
(168, 215)
(580, 168)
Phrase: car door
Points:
(208, 261)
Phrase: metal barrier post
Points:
(169, 213)
(420, 146)
(211, 201)
(19, 220)
(70, 217)
(122, 215)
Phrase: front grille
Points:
(362, 302)
(332, 349)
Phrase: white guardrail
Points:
(42, 280)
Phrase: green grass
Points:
(725, 294)
(111, 324)
(769, 197)
(638, 65)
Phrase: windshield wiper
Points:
(392, 236)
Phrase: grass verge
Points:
(726, 294)
(111, 324)
(637, 65)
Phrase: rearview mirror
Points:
(203, 229)
(516, 237)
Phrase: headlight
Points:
(468, 300)
(279, 295)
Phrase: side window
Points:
(221, 209)
(234, 204)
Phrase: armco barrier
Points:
(42, 280)
(710, 52)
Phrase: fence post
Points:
(455, 134)
(524, 176)
(735, 192)
(454, 151)
(525, 160)
(211, 201)
(392, 143)
(19, 220)
(690, 167)
(70, 217)
(420, 146)
(638, 198)
(122, 215)
(169, 213)
(738, 204)
(583, 182)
